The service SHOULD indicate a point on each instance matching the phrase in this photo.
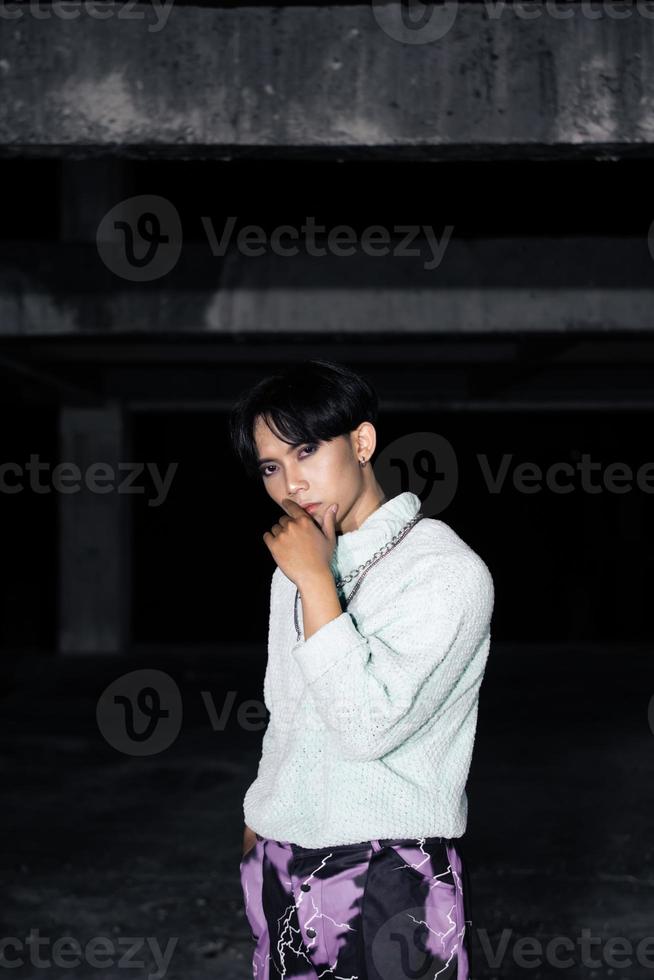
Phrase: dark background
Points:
(559, 840)
(567, 566)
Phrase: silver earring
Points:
(362, 461)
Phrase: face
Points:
(324, 472)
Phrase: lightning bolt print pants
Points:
(378, 910)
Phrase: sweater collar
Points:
(353, 548)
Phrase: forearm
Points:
(320, 602)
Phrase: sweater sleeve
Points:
(375, 691)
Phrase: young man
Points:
(378, 639)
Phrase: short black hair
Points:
(310, 401)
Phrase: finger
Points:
(329, 525)
(292, 507)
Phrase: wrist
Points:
(316, 581)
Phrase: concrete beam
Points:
(205, 373)
(490, 286)
(190, 81)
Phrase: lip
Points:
(310, 507)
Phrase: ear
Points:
(365, 440)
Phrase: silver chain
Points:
(378, 555)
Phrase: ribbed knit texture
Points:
(373, 718)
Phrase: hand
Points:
(302, 548)
(249, 840)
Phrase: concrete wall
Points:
(487, 285)
(159, 79)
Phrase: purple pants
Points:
(378, 910)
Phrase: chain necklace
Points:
(364, 568)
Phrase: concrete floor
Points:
(98, 843)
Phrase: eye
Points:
(312, 446)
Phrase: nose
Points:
(294, 483)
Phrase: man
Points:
(378, 640)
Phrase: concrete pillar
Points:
(94, 531)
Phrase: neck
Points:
(372, 498)
(383, 522)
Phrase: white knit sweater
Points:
(373, 718)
